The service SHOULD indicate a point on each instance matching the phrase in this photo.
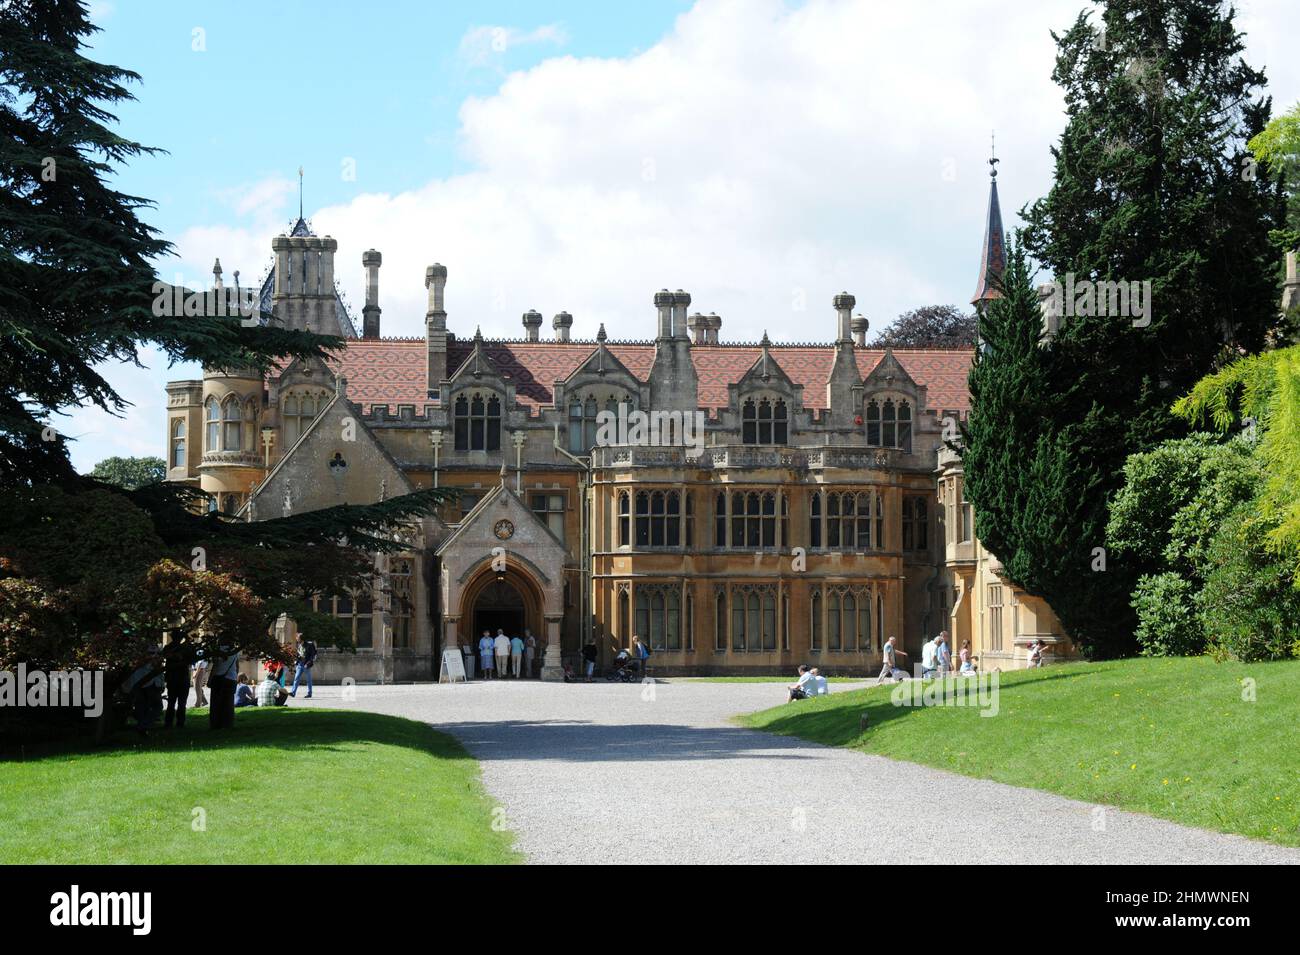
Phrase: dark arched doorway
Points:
(499, 606)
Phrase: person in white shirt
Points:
(820, 685)
(503, 653)
(801, 689)
(929, 658)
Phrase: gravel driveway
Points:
(613, 773)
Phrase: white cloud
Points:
(483, 46)
(761, 157)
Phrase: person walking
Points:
(889, 665)
(225, 666)
(177, 656)
(486, 649)
(502, 647)
(517, 655)
(589, 654)
(530, 651)
(304, 661)
(201, 670)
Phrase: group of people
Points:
(810, 683)
(936, 658)
(637, 656)
(181, 663)
(501, 655)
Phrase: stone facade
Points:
(794, 502)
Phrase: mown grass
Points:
(283, 786)
(1187, 739)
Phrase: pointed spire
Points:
(600, 333)
(993, 257)
(216, 274)
(300, 193)
(765, 361)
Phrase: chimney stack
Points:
(699, 326)
(371, 260)
(562, 323)
(664, 306)
(532, 324)
(435, 330)
(681, 301)
(715, 327)
(860, 326)
(844, 303)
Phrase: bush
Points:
(1249, 606)
(1168, 623)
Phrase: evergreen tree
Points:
(1152, 184)
(76, 259)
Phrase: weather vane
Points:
(993, 154)
(300, 192)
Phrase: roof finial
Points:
(300, 192)
(993, 155)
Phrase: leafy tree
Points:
(1148, 187)
(91, 570)
(1277, 147)
(130, 473)
(932, 326)
(1261, 394)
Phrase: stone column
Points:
(552, 668)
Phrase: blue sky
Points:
(570, 156)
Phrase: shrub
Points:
(1168, 623)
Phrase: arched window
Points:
(583, 419)
(658, 616)
(230, 431)
(765, 421)
(815, 602)
(477, 422)
(889, 425)
(297, 412)
(178, 443)
(250, 424)
(212, 418)
(624, 519)
(753, 519)
(658, 519)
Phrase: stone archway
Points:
(509, 600)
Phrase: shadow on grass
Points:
(280, 728)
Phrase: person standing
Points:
(530, 651)
(177, 656)
(929, 657)
(642, 653)
(943, 654)
(589, 654)
(517, 655)
(967, 666)
(486, 649)
(502, 647)
(304, 661)
(201, 670)
(221, 680)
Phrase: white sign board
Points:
(453, 667)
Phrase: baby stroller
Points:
(624, 669)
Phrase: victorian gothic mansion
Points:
(823, 516)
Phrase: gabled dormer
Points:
(891, 403)
(765, 400)
(479, 396)
(600, 383)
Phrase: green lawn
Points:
(1170, 737)
(775, 678)
(291, 786)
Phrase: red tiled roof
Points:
(391, 371)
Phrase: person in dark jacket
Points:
(305, 659)
(589, 654)
(177, 657)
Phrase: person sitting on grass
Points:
(244, 695)
(800, 690)
(270, 692)
(820, 685)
